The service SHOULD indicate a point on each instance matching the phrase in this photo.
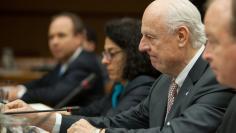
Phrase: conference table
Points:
(26, 69)
(18, 76)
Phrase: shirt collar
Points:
(65, 65)
(183, 74)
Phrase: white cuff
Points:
(98, 130)
(22, 90)
(57, 125)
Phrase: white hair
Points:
(184, 13)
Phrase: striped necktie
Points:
(171, 95)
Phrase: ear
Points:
(183, 36)
(79, 38)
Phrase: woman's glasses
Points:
(110, 55)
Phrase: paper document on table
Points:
(40, 106)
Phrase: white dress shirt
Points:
(64, 66)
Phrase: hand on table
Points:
(83, 126)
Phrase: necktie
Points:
(62, 70)
(171, 95)
(115, 94)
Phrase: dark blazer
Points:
(134, 92)
(229, 120)
(198, 108)
(52, 88)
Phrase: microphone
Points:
(68, 109)
(85, 84)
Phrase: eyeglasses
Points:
(110, 55)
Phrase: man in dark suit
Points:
(65, 38)
(221, 52)
(173, 36)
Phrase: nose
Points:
(143, 45)
(53, 41)
(105, 61)
(207, 55)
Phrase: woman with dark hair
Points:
(130, 69)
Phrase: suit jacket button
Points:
(168, 123)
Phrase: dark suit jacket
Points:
(52, 88)
(198, 108)
(134, 92)
(229, 120)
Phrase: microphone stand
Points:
(84, 84)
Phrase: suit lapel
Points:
(181, 98)
(193, 76)
(139, 81)
(73, 63)
(159, 103)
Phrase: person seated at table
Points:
(66, 34)
(90, 44)
(130, 70)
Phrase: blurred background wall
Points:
(24, 23)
